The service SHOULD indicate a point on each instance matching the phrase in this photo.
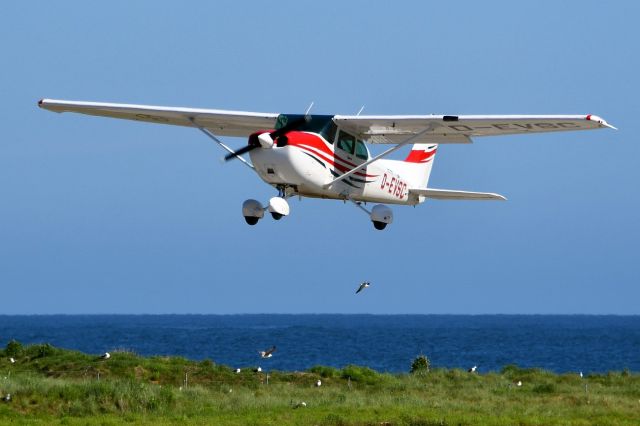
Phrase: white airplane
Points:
(326, 156)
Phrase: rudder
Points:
(419, 162)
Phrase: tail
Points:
(417, 166)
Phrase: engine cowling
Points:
(381, 216)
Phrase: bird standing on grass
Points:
(363, 285)
(12, 361)
(105, 355)
(472, 369)
(268, 353)
(318, 383)
(238, 370)
(7, 398)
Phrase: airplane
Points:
(327, 156)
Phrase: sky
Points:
(111, 216)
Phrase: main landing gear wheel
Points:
(378, 225)
(381, 216)
(252, 211)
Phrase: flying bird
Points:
(268, 353)
(363, 285)
(473, 369)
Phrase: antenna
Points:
(308, 108)
(361, 108)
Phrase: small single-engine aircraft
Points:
(326, 156)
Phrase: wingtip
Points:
(600, 121)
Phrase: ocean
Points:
(386, 343)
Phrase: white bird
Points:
(7, 397)
(363, 285)
(518, 383)
(300, 404)
(268, 353)
(318, 383)
(257, 370)
(105, 355)
(12, 361)
(581, 376)
(237, 370)
(473, 369)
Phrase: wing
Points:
(460, 128)
(220, 122)
(449, 194)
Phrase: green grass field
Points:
(55, 386)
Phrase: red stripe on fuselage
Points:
(300, 139)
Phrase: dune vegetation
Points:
(41, 384)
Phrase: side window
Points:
(329, 131)
(346, 142)
(361, 150)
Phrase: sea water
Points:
(389, 343)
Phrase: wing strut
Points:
(429, 128)
(219, 142)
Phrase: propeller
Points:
(266, 139)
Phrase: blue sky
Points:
(109, 216)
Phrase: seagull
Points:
(237, 370)
(318, 383)
(518, 383)
(268, 353)
(363, 285)
(473, 369)
(300, 404)
(12, 361)
(257, 370)
(7, 398)
(105, 355)
(581, 376)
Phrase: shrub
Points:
(361, 374)
(544, 388)
(326, 372)
(45, 350)
(14, 348)
(420, 365)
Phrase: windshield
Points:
(322, 124)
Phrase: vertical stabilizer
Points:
(417, 166)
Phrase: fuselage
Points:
(305, 163)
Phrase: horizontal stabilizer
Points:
(448, 194)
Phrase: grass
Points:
(55, 386)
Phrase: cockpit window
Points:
(322, 124)
(346, 142)
(361, 150)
